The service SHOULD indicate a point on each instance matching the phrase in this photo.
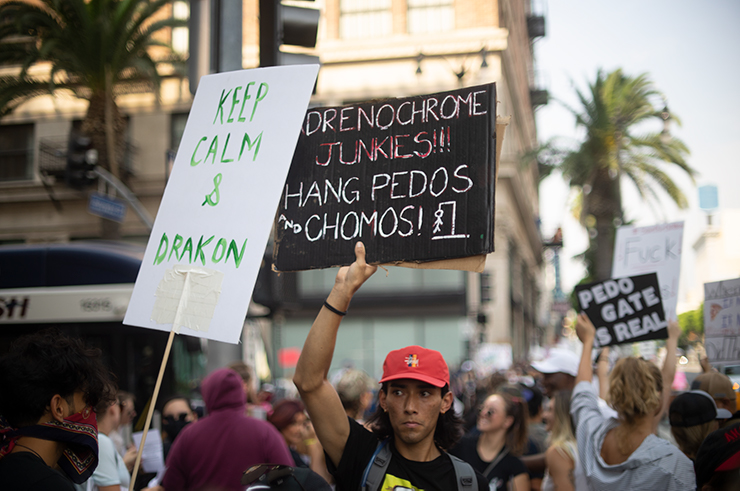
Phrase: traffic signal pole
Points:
(127, 194)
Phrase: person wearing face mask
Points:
(177, 413)
(49, 385)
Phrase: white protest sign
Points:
(653, 249)
(722, 321)
(217, 211)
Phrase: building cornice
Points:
(400, 47)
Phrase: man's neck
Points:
(49, 451)
(423, 451)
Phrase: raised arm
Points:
(602, 372)
(586, 332)
(321, 400)
(669, 368)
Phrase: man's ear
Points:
(57, 407)
(381, 399)
(447, 400)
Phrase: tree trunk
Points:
(604, 203)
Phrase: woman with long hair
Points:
(564, 471)
(501, 438)
(624, 453)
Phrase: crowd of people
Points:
(567, 422)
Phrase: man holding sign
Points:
(415, 405)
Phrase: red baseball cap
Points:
(416, 363)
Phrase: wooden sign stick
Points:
(153, 403)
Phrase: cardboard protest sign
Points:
(624, 310)
(652, 249)
(722, 321)
(209, 237)
(413, 178)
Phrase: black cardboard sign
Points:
(624, 310)
(413, 178)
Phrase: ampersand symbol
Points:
(213, 198)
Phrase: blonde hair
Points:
(562, 425)
(635, 387)
(689, 438)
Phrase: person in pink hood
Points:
(213, 452)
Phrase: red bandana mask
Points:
(79, 432)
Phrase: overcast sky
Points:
(690, 51)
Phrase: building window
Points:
(16, 152)
(365, 19)
(180, 10)
(430, 16)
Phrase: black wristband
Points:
(336, 311)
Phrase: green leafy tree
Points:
(692, 326)
(93, 49)
(615, 146)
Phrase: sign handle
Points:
(175, 323)
(151, 409)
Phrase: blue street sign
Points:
(107, 207)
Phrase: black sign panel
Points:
(413, 178)
(624, 310)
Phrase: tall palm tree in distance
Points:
(93, 49)
(616, 144)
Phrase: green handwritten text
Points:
(230, 97)
(182, 249)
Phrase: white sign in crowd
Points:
(205, 249)
(653, 249)
(722, 321)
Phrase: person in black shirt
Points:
(494, 448)
(414, 412)
(49, 384)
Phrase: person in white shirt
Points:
(624, 453)
(111, 473)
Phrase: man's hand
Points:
(350, 278)
(585, 328)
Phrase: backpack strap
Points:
(464, 474)
(381, 459)
(375, 470)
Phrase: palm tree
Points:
(612, 114)
(95, 49)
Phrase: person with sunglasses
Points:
(499, 438)
(177, 413)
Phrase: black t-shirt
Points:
(24, 471)
(402, 474)
(507, 468)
